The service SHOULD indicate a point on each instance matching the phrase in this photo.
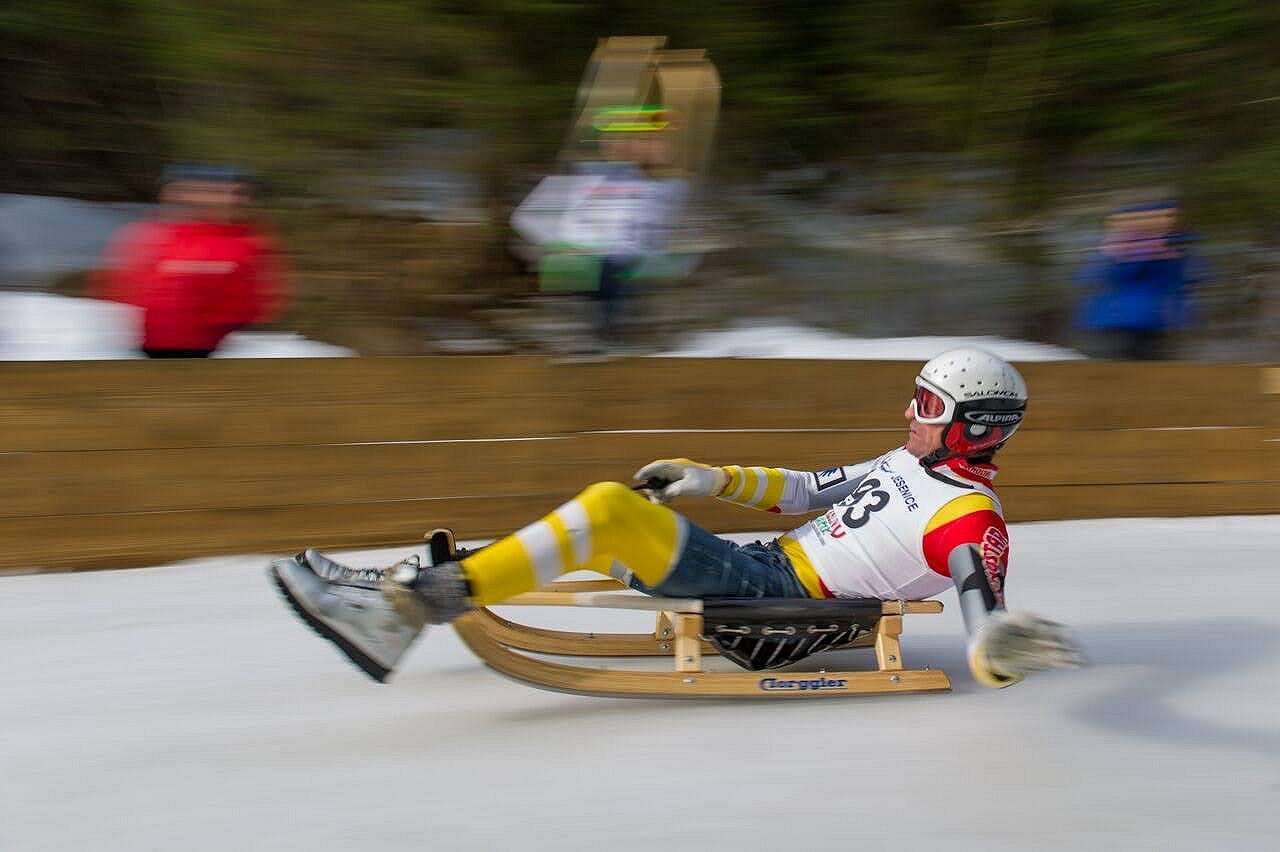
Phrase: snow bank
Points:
(47, 327)
(794, 341)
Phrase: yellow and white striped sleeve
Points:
(792, 492)
(771, 489)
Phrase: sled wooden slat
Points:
(541, 640)
(605, 600)
(585, 586)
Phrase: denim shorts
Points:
(711, 566)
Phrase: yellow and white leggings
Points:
(607, 528)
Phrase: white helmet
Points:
(980, 396)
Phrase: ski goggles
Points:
(931, 406)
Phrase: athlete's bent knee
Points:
(605, 499)
(607, 493)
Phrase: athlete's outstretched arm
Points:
(1003, 646)
(978, 606)
(792, 492)
(771, 489)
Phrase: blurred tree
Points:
(95, 94)
(78, 99)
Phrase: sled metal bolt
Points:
(666, 646)
(689, 680)
(895, 679)
(892, 658)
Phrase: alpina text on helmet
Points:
(993, 418)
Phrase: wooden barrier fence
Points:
(123, 463)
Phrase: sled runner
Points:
(755, 634)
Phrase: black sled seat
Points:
(768, 634)
(754, 634)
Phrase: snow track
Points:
(185, 708)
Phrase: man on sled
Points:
(908, 525)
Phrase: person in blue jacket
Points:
(1140, 281)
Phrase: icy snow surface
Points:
(185, 708)
(48, 327)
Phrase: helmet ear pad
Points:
(971, 439)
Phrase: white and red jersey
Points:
(889, 526)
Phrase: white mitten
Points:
(1009, 645)
(682, 477)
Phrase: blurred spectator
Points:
(626, 196)
(1141, 282)
(622, 219)
(199, 269)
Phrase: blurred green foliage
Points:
(96, 94)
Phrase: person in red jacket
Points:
(199, 269)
